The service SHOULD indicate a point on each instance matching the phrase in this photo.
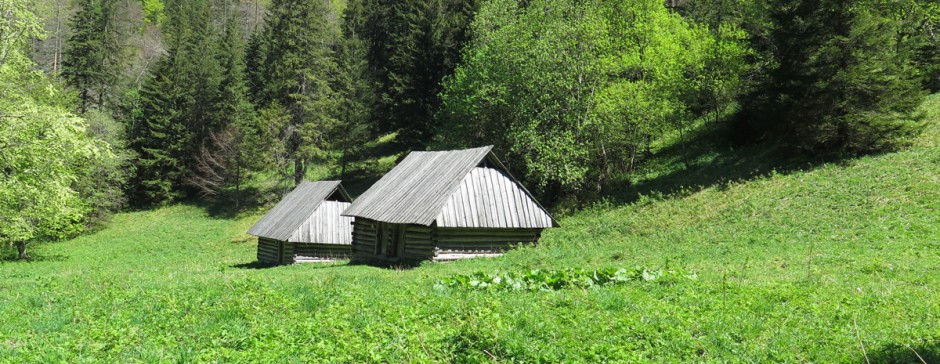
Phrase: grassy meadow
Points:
(829, 262)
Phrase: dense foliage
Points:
(570, 91)
(843, 78)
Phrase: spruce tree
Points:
(295, 69)
(232, 148)
(160, 138)
(178, 112)
(843, 81)
(89, 64)
(413, 45)
(353, 83)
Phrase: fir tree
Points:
(232, 147)
(178, 112)
(354, 86)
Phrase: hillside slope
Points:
(807, 265)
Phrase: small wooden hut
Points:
(445, 205)
(306, 225)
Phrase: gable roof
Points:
(282, 221)
(417, 189)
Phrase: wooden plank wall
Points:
(488, 198)
(326, 225)
(321, 251)
(455, 240)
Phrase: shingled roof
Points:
(289, 216)
(439, 186)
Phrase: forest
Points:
(109, 105)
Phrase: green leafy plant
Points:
(551, 280)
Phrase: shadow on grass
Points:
(900, 353)
(14, 258)
(712, 161)
(254, 265)
(312, 265)
(406, 265)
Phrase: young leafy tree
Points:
(42, 146)
(294, 71)
(102, 184)
(568, 90)
(843, 82)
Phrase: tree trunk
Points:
(58, 39)
(298, 171)
(238, 179)
(21, 248)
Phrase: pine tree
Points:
(178, 112)
(843, 81)
(89, 63)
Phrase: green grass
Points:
(798, 266)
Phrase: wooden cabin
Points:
(445, 205)
(306, 225)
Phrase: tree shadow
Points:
(927, 352)
(224, 206)
(712, 161)
(14, 258)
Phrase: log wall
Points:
(363, 243)
(419, 242)
(481, 241)
(305, 251)
(425, 242)
(275, 252)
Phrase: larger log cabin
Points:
(444, 205)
